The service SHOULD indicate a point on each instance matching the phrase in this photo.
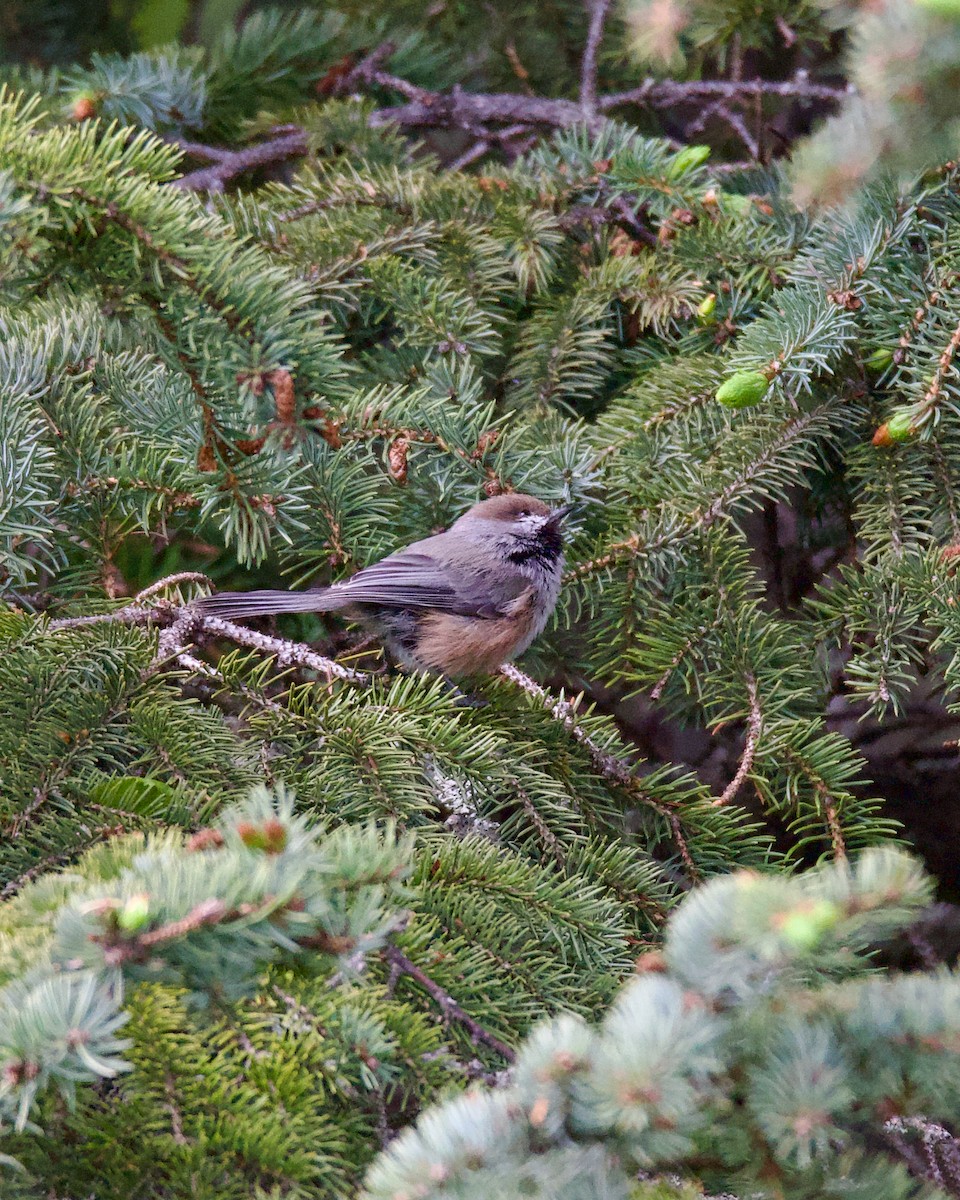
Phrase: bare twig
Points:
(739, 126)
(207, 912)
(664, 93)
(170, 581)
(133, 613)
(936, 1157)
(597, 10)
(473, 110)
(615, 210)
(754, 727)
(173, 1108)
(478, 113)
(287, 654)
(177, 636)
(474, 152)
(130, 614)
(566, 714)
(228, 164)
(183, 624)
(607, 764)
(401, 965)
(368, 71)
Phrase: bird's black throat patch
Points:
(543, 547)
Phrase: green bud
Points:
(134, 913)
(84, 105)
(805, 926)
(879, 360)
(688, 158)
(706, 306)
(251, 835)
(743, 389)
(741, 205)
(900, 428)
(941, 8)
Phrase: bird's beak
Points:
(558, 514)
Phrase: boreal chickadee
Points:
(459, 603)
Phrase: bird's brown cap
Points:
(507, 507)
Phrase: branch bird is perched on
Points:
(462, 602)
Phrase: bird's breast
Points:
(458, 646)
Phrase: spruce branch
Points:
(182, 625)
(706, 515)
(479, 113)
(665, 93)
(401, 965)
(286, 653)
(825, 799)
(754, 728)
(948, 489)
(945, 366)
(597, 12)
(226, 165)
(656, 692)
(607, 764)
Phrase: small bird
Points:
(459, 603)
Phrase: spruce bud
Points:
(899, 428)
(706, 306)
(741, 205)
(274, 836)
(743, 389)
(84, 106)
(134, 913)
(688, 158)
(804, 927)
(251, 835)
(879, 360)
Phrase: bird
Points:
(460, 603)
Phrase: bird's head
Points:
(535, 527)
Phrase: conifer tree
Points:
(254, 327)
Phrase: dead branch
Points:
(597, 11)
(449, 1007)
(480, 113)
(754, 728)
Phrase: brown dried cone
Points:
(397, 459)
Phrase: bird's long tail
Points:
(231, 605)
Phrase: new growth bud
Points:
(134, 913)
(743, 389)
(84, 106)
(688, 158)
(804, 927)
(900, 428)
(879, 360)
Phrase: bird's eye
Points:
(524, 512)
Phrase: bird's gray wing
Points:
(414, 578)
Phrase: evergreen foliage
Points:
(295, 376)
(759, 1054)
